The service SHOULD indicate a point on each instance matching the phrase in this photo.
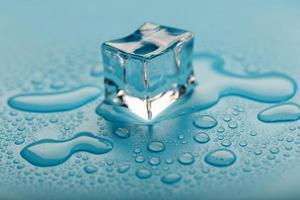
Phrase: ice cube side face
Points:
(146, 65)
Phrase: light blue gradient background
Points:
(263, 33)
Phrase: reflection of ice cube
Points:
(149, 69)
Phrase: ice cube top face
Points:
(149, 62)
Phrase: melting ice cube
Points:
(149, 69)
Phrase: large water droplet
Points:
(280, 113)
(156, 146)
(220, 158)
(54, 102)
(49, 152)
(171, 178)
(205, 122)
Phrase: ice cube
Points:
(149, 69)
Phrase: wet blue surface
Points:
(51, 49)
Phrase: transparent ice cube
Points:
(149, 69)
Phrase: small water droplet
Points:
(253, 133)
(243, 143)
(143, 173)
(289, 139)
(139, 159)
(154, 160)
(232, 125)
(156, 146)
(257, 151)
(186, 158)
(169, 161)
(274, 150)
(19, 141)
(227, 118)
(123, 168)
(226, 143)
(202, 137)
(90, 169)
(122, 132)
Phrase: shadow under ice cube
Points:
(149, 69)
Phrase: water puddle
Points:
(56, 101)
(49, 152)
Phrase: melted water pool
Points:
(47, 152)
(267, 87)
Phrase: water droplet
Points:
(292, 128)
(122, 132)
(139, 159)
(181, 137)
(109, 161)
(243, 143)
(205, 122)
(154, 160)
(202, 137)
(257, 151)
(220, 158)
(274, 150)
(123, 168)
(280, 113)
(53, 120)
(227, 118)
(19, 141)
(232, 125)
(143, 173)
(156, 146)
(90, 169)
(171, 178)
(288, 147)
(226, 143)
(54, 102)
(271, 157)
(221, 129)
(169, 161)
(20, 166)
(289, 139)
(186, 158)
(49, 152)
(253, 133)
